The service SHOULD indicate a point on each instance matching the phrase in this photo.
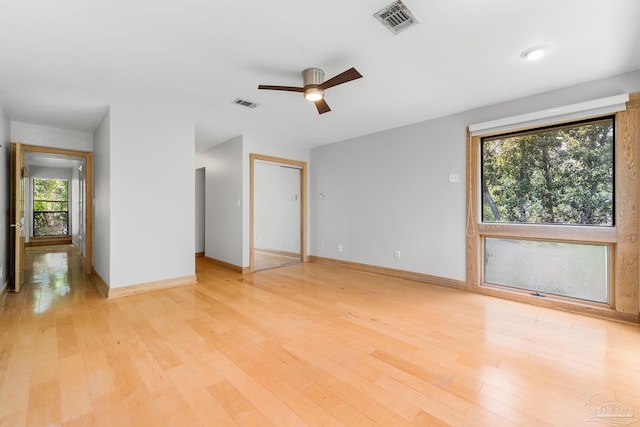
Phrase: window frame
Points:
(621, 237)
(33, 211)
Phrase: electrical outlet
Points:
(396, 254)
(339, 248)
(1, 271)
(321, 245)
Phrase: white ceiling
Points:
(62, 63)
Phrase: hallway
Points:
(54, 274)
(301, 345)
(40, 354)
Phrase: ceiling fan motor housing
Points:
(312, 78)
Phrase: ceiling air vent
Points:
(244, 103)
(396, 17)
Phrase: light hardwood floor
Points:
(264, 260)
(301, 345)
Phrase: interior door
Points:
(277, 212)
(16, 240)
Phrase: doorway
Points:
(82, 181)
(278, 212)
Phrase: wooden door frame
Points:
(87, 156)
(16, 215)
(303, 201)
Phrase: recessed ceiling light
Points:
(534, 53)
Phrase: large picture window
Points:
(553, 211)
(556, 175)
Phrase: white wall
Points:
(223, 201)
(152, 202)
(200, 211)
(102, 198)
(5, 132)
(51, 137)
(143, 191)
(390, 191)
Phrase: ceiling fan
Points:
(314, 85)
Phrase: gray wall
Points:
(227, 165)
(391, 191)
(223, 224)
(102, 198)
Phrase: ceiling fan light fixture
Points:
(313, 94)
(315, 85)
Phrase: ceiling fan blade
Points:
(347, 76)
(322, 106)
(285, 88)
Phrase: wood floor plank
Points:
(279, 413)
(343, 381)
(237, 405)
(159, 348)
(45, 362)
(67, 338)
(262, 371)
(44, 404)
(16, 384)
(337, 407)
(98, 371)
(303, 345)
(205, 406)
(12, 419)
(425, 419)
(174, 410)
(75, 399)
